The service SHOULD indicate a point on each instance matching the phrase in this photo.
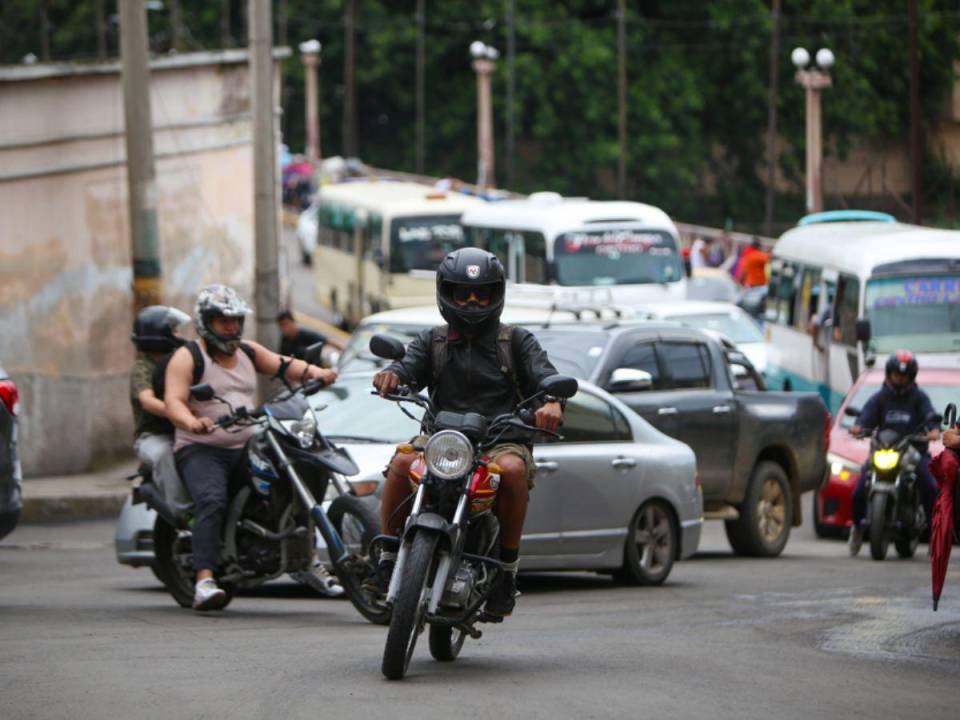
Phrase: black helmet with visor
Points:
(471, 286)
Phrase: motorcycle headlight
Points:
(303, 429)
(449, 455)
(885, 459)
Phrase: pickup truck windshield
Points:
(921, 313)
(623, 256)
(572, 352)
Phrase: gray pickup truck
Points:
(757, 451)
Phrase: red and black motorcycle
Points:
(446, 564)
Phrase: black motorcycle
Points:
(274, 508)
(446, 565)
(894, 510)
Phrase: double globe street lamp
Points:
(484, 63)
(813, 80)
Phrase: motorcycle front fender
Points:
(431, 522)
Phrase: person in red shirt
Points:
(753, 265)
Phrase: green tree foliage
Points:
(697, 84)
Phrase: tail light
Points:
(10, 396)
(827, 419)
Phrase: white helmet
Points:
(219, 301)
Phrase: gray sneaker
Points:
(208, 596)
(856, 540)
(319, 578)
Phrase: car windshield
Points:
(354, 413)
(917, 312)
(421, 243)
(356, 356)
(572, 352)
(940, 395)
(622, 256)
(736, 326)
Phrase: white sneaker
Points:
(319, 579)
(207, 596)
(856, 540)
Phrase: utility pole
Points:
(176, 25)
(44, 32)
(511, 85)
(484, 63)
(916, 148)
(101, 30)
(267, 283)
(622, 98)
(225, 39)
(310, 54)
(420, 82)
(349, 81)
(141, 175)
(772, 117)
(813, 81)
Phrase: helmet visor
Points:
(479, 294)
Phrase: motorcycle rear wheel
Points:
(357, 525)
(446, 642)
(879, 527)
(407, 621)
(177, 580)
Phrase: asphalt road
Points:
(811, 634)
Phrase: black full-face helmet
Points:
(154, 329)
(471, 285)
(903, 362)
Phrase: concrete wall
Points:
(65, 269)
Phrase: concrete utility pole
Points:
(310, 52)
(813, 81)
(176, 25)
(511, 85)
(622, 98)
(101, 30)
(225, 39)
(349, 81)
(772, 117)
(484, 63)
(265, 217)
(420, 82)
(141, 175)
(916, 147)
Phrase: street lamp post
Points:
(484, 63)
(813, 81)
(310, 53)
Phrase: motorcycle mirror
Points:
(314, 353)
(851, 411)
(560, 386)
(202, 392)
(387, 347)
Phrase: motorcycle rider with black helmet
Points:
(155, 335)
(902, 406)
(463, 365)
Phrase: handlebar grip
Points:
(528, 417)
(225, 421)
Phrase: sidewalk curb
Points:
(77, 497)
(82, 507)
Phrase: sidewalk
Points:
(77, 497)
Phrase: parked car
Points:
(832, 512)
(611, 478)
(722, 317)
(11, 500)
(757, 451)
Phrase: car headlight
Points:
(304, 429)
(885, 459)
(449, 455)
(841, 468)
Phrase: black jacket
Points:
(472, 379)
(297, 346)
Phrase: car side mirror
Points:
(314, 353)
(560, 386)
(851, 411)
(629, 380)
(387, 347)
(202, 392)
(863, 330)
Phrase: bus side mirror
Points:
(863, 331)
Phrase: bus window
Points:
(806, 300)
(782, 294)
(535, 258)
(847, 310)
(421, 243)
(621, 256)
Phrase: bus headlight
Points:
(885, 459)
(449, 455)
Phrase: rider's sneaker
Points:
(207, 596)
(320, 579)
(502, 597)
(378, 582)
(856, 540)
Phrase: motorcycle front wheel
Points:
(169, 549)
(879, 526)
(446, 642)
(357, 525)
(408, 611)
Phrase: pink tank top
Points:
(236, 385)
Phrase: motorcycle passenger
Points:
(902, 406)
(207, 455)
(155, 336)
(462, 364)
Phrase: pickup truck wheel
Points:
(652, 540)
(763, 528)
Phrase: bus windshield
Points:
(919, 313)
(421, 243)
(616, 257)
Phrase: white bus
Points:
(571, 249)
(873, 286)
(380, 242)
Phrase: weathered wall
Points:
(65, 272)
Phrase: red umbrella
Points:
(944, 468)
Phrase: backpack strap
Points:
(198, 363)
(506, 354)
(249, 352)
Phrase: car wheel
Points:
(651, 546)
(763, 528)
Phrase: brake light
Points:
(10, 396)
(827, 419)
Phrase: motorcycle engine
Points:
(458, 590)
(258, 554)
